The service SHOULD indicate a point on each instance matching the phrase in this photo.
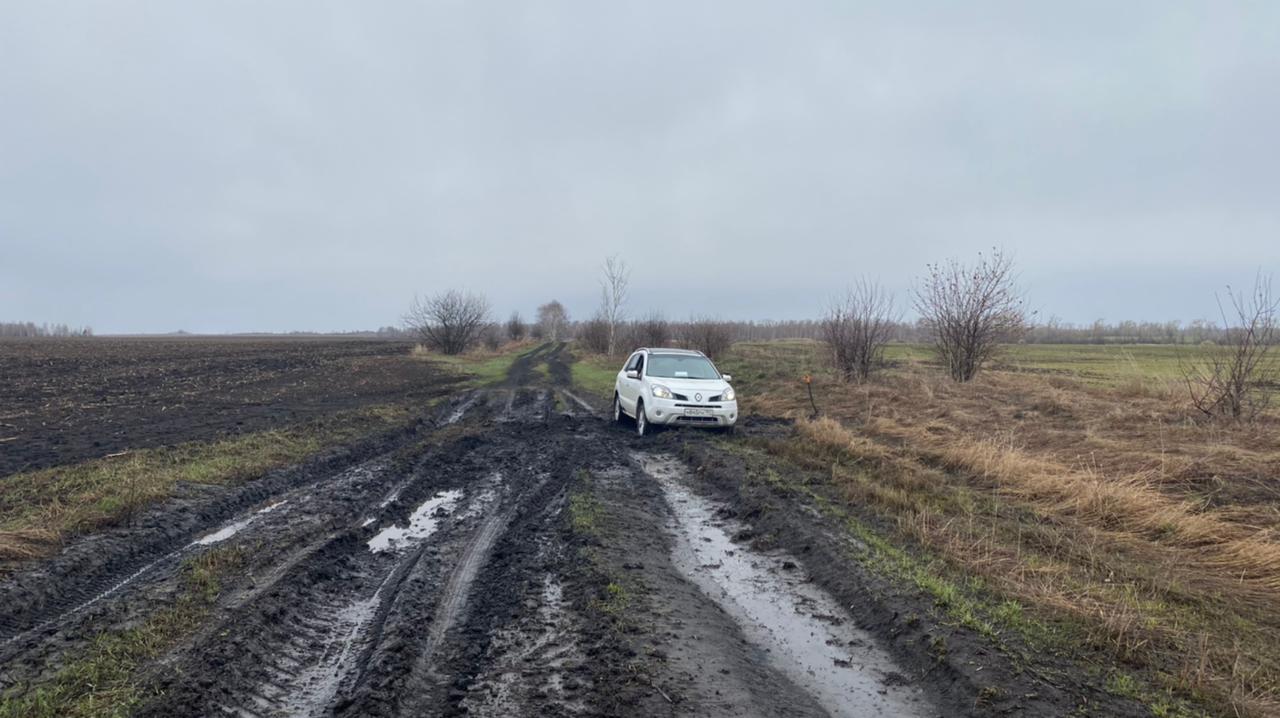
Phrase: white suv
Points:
(674, 386)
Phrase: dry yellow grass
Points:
(25, 544)
(1105, 504)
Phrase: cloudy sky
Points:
(224, 166)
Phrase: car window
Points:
(681, 366)
(640, 363)
(631, 363)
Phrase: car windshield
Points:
(680, 366)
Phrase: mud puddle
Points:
(803, 631)
(422, 523)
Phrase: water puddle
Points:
(422, 523)
(235, 527)
(806, 634)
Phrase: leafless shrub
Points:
(709, 336)
(450, 322)
(552, 317)
(613, 297)
(593, 335)
(969, 311)
(652, 331)
(491, 337)
(857, 327)
(1232, 380)
(516, 327)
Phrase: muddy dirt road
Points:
(512, 554)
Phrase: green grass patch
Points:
(39, 509)
(101, 681)
(479, 369)
(595, 374)
(615, 602)
(584, 510)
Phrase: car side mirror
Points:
(633, 374)
(727, 377)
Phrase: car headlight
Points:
(729, 395)
(661, 392)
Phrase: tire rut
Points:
(519, 564)
(93, 583)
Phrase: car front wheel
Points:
(642, 422)
(617, 409)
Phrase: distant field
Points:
(1154, 365)
(1096, 363)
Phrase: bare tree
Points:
(552, 317)
(613, 297)
(857, 328)
(515, 327)
(1232, 380)
(450, 322)
(709, 336)
(969, 311)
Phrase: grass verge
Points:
(101, 681)
(595, 374)
(1073, 482)
(41, 509)
(961, 597)
(480, 368)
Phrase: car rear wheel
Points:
(642, 422)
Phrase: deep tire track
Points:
(82, 583)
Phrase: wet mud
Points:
(513, 553)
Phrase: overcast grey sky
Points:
(223, 166)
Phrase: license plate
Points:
(698, 412)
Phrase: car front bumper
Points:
(669, 412)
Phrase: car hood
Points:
(707, 387)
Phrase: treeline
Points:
(1052, 332)
(27, 330)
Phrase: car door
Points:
(627, 388)
(637, 384)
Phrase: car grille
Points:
(701, 406)
(679, 397)
(697, 419)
